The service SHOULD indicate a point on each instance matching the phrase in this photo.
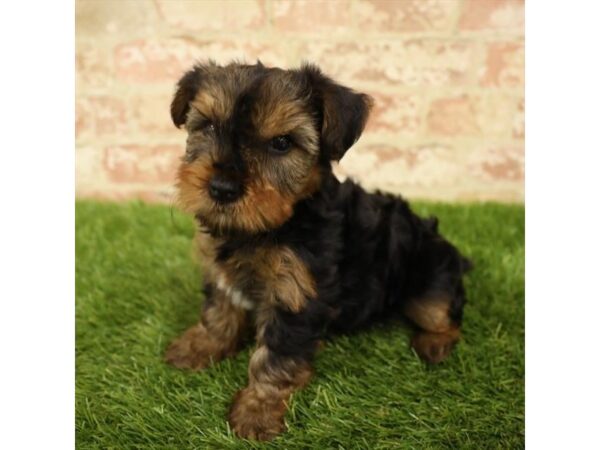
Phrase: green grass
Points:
(137, 288)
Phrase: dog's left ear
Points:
(344, 112)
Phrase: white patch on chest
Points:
(236, 297)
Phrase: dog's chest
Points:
(251, 275)
(243, 276)
(235, 293)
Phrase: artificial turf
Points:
(138, 288)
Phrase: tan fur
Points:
(431, 313)
(438, 334)
(212, 103)
(214, 100)
(270, 276)
(217, 336)
(272, 184)
(279, 118)
(264, 315)
(263, 206)
(435, 347)
(312, 183)
(205, 254)
(291, 284)
(258, 410)
(225, 321)
(192, 184)
(286, 375)
(281, 111)
(254, 416)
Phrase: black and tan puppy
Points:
(288, 252)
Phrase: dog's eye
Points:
(208, 126)
(280, 144)
(205, 125)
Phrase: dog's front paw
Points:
(193, 350)
(255, 416)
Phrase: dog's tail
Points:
(466, 265)
(431, 223)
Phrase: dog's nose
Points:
(224, 190)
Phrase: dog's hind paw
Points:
(434, 347)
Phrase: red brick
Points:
(518, 130)
(452, 116)
(100, 115)
(504, 15)
(505, 65)
(140, 113)
(409, 157)
(150, 112)
(89, 167)
(488, 113)
(499, 163)
(142, 164)
(428, 167)
(155, 61)
(309, 16)
(215, 15)
(406, 15)
(496, 112)
(92, 66)
(105, 17)
(394, 113)
(416, 62)
(438, 171)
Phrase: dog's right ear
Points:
(187, 88)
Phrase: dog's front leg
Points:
(215, 337)
(258, 410)
(281, 364)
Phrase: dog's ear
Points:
(344, 112)
(186, 91)
(187, 87)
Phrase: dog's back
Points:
(371, 255)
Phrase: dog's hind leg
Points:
(437, 316)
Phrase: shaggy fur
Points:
(288, 252)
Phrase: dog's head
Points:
(259, 140)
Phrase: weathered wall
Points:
(447, 77)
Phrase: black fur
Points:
(369, 254)
(363, 257)
(343, 113)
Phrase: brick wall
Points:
(447, 77)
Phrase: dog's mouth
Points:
(216, 212)
(219, 219)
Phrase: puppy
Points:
(287, 251)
